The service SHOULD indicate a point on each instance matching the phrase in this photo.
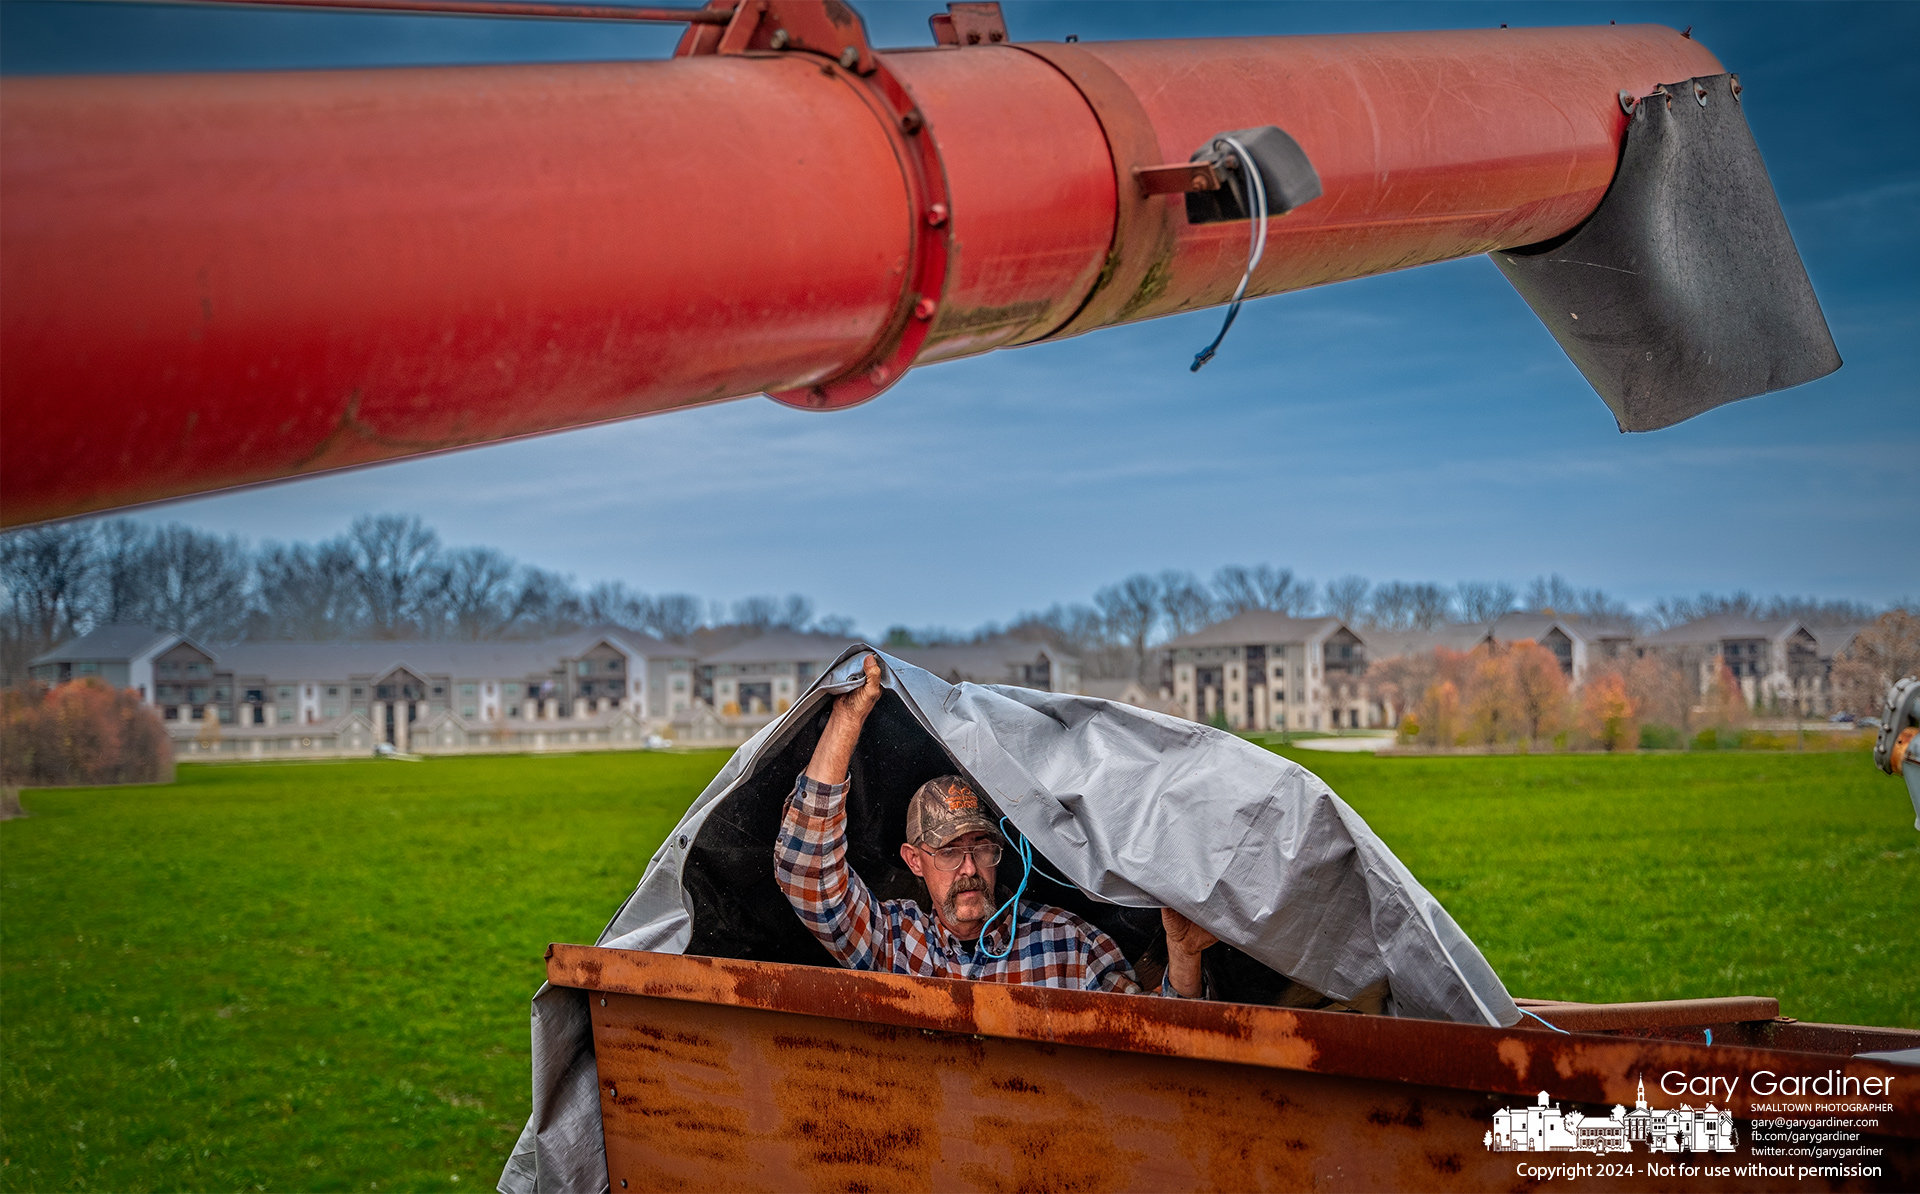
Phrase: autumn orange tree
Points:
(1492, 707)
(1606, 711)
(1539, 688)
(1440, 713)
(1885, 651)
(80, 733)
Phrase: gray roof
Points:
(983, 663)
(1255, 626)
(106, 644)
(1834, 639)
(784, 646)
(1715, 627)
(480, 660)
(1455, 636)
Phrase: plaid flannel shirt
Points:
(1054, 948)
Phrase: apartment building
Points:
(1262, 670)
(1781, 664)
(275, 697)
(999, 660)
(763, 676)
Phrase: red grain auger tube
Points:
(211, 280)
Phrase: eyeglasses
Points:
(948, 858)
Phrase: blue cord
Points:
(1563, 1032)
(1025, 850)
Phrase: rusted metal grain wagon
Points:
(721, 1074)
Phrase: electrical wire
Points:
(1256, 197)
(1025, 853)
(1023, 849)
(1563, 1032)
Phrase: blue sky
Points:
(1418, 426)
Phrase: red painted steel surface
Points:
(533, 9)
(207, 281)
(1033, 193)
(723, 1074)
(1430, 146)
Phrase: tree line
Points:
(1516, 695)
(1116, 632)
(386, 576)
(390, 576)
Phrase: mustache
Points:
(965, 883)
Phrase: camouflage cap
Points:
(945, 809)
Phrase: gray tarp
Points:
(1138, 809)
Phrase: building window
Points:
(679, 683)
(439, 690)
(586, 667)
(613, 665)
(331, 711)
(468, 711)
(196, 669)
(171, 713)
(359, 692)
(286, 713)
(466, 690)
(286, 693)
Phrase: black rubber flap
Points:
(1285, 170)
(1683, 291)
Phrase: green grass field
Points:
(315, 977)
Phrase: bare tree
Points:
(1398, 605)
(1130, 610)
(124, 545)
(674, 616)
(1185, 604)
(1484, 600)
(793, 612)
(1553, 595)
(398, 558)
(310, 592)
(1346, 597)
(546, 603)
(49, 575)
(194, 583)
(1882, 653)
(1238, 589)
(476, 587)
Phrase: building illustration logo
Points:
(1544, 1128)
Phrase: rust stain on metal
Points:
(726, 1074)
(854, 1111)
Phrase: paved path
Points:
(1347, 745)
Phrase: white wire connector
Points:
(1256, 196)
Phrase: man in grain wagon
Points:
(955, 848)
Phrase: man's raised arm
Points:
(810, 858)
